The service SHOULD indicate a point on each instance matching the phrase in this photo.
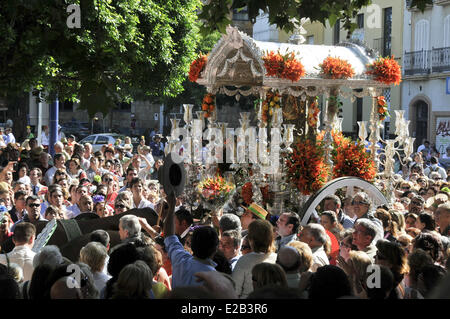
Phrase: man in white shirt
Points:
(139, 201)
(59, 162)
(434, 167)
(23, 239)
(315, 236)
(9, 136)
(425, 145)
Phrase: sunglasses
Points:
(34, 205)
(108, 180)
(120, 206)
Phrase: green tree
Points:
(216, 13)
(124, 49)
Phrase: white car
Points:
(98, 140)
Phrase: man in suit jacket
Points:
(23, 239)
(35, 178)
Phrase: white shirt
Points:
(144, 203)
(48, 178)
(23, 256)
(320, 258)
(45, 139)
(73, 211)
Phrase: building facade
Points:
(380, 27)
(426, 78)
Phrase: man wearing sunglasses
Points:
(33, 209)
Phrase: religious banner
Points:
(442, 134)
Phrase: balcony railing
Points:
(427, 61)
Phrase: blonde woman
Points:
(356, 269)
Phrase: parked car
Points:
(79, 130)
(98, 140)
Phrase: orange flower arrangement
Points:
(335, 68)
(208, 105)
(197, 67)
(283, 66)
(247, 193)
(272, 101)
(350, 158)
(382, 108)
(313, 113)
(306, 166)
(386, 70)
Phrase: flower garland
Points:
(208, 105)
(350, 158)
(215, 187)
(306, 166)
(197, 67)
(271, 102)
(335, 68)
(382, 108)
(313, 113)
(283, 66)
(385, 70)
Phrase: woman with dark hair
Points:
(410, 220)
(74, 168)
(329, 282)
(393, 256)
(330, 222)
(22, 173)
(431, 244)
(425, 222)
(390, 227)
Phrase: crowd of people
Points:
(353, 250)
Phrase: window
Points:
(421, 35)
(102, 140)
(447, 32)
(89, 139)
(337, 31)
(310, 39)
(387, 32)
(360, 20)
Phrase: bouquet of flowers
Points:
(215, 191)
(197, 67)
(306, 166)
(271, 102)
(350, 158)
(313, 114)
(283, 66)
(382, 108)
(335, 68)
(386, 70)
(208, 106)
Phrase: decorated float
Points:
(278, 157)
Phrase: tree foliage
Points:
(215, 13)
(124, 49)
